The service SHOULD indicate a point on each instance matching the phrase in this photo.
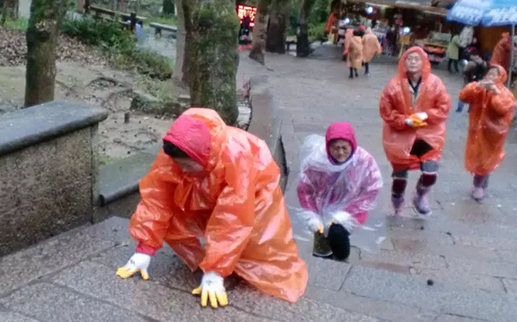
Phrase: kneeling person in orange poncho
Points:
(492, 107)
(220, 183)
(414, 106)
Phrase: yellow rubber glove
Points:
(417, 120)
(212, 288)
(138, 263)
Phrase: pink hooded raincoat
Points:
(325, 187)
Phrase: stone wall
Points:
(48, 171)
(266, 123)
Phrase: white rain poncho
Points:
(341, 193)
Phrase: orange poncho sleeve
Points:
(503, 103)
(389, 113)
(231, 223)
(440, 111)
(152, 217)
(469, 93)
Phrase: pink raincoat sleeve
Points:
(306, 191)
(371, 185)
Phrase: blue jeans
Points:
(461, 104)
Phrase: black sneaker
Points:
(331, 256)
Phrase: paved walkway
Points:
(467, 249)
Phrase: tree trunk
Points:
(168, 7)
(212, 55)
(183, 41)
(180, 43)
(9, 9)
(303, 47)
(259, 35)
(42, 37)
(278, 24)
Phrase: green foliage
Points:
(317, 18)
(317, 31)
(164, 20)
(119, 45)
(20, 24)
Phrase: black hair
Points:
(473, 52)
(358, 33)
(173, 151)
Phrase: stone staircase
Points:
(72, 278)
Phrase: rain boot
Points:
(420, 200)
(398, 205)
(397, 195)
(480, 185)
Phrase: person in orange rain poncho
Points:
(492, 107)
(414, 106)
(219, 183)
(355, 54)
(349, 34)
(371, 46)
(502, 52)
(331, 26)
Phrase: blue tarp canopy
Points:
(484, 12)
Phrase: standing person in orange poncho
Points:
(220, 183)
(502, 52)
(492, 107)
(331, 28)
(371, 46)
(355, 54)
(349, 34)
(414, 106)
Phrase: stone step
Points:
(60, 276)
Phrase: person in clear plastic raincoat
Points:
(414, 106)
(490, 117)
(220, 183)
(338, 185)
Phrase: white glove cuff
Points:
(345, 219)
(422, 116)
(212, 280)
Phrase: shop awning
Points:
(422, 5)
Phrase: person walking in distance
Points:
(355, 54)
(453, 51)
(371, 46)
(414, 106)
